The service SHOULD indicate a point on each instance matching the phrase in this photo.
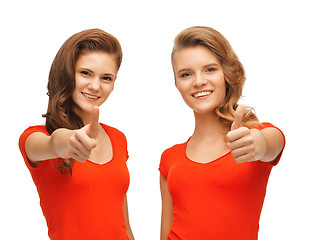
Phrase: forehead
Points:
(193, 57)
(97, 59)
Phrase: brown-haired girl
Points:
(213, 185)
(78, 164)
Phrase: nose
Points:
(199, 80)
(94, 84)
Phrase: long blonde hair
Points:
(233, 70)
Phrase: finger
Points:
(238, 117)
(237, 134)
(94, 124)
(242, 151)
(76, 155)
(87, 143)
(244, 142)
(78, 158)
(79, 147)
(244, 158)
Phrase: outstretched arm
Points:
(64, 143)
(253, 144)
(274, 142)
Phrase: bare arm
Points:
(274, 142)
(253, 144)
(64, 143)
(166, 212)
(41, 147)
(129, 231)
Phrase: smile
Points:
(90, 96)
(202, 94)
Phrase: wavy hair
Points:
(234, 74)
(61, 82)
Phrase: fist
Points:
(245, 144)
(83, 140)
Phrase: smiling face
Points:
(199, 78)
(95, 75)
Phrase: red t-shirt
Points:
(88, 205)
(217, 200)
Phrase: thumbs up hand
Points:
(246, 144)
(83, 141)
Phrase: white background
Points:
(273, 41)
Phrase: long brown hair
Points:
(61, 82)
(233, 70)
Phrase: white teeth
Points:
(89, 96)
(200, 94)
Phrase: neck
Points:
(85, 117)
(209, 127)
(86, 120)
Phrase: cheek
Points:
(111, 87)
(107, 89)
(185, 95)
(181, 88)
(222, 84)
(79, 83)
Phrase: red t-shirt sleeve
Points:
(163, 165)
(22, 141)
(120, 137)
(126, 146)
(263, 125)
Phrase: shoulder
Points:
(36, 128)
(264, 125)
(174, 151)
(32, 129)
(22, 142)
(116, 135)
(170, 157)
(112, 130)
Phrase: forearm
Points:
(274, 142)
(165, 226)
(40, 147)
(166, 211)
(59, 142)
(129, 231)
(130, 234)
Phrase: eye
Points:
(185, 75)
(86, 73)
(210, 70)
(108, 77)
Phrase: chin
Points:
(203, 109)
(80, 110)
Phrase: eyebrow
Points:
(211, 65)
(189, 69)
(89, 70)
(184, 70)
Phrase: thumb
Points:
(94, 124)
(238, 117)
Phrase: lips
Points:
(202, 93)
(90, 96)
